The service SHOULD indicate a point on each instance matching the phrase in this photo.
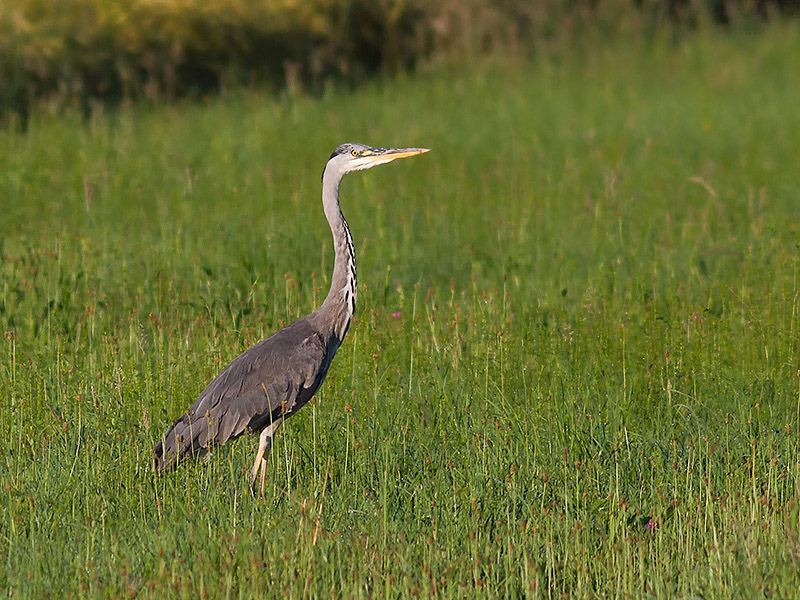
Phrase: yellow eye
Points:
(354, 152)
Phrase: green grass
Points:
(574, 371)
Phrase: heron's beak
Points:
(402, 152)
(385, 155)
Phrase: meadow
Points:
(574, 370)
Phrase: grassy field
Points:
(574, 370)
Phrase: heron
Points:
(272, 380)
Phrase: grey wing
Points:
(274, 378)
(277, 375)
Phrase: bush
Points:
(71, 51)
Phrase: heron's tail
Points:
(185, 438)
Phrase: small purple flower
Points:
(397, 315)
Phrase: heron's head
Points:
(355, 157)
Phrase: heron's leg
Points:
(263, 477)
(264, 443)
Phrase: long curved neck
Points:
(340, 304)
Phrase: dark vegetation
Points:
(73, 52)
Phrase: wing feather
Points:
(276, 376)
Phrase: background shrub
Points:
(64, 52)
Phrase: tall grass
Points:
(573, 373)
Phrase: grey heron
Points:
(275, 378)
